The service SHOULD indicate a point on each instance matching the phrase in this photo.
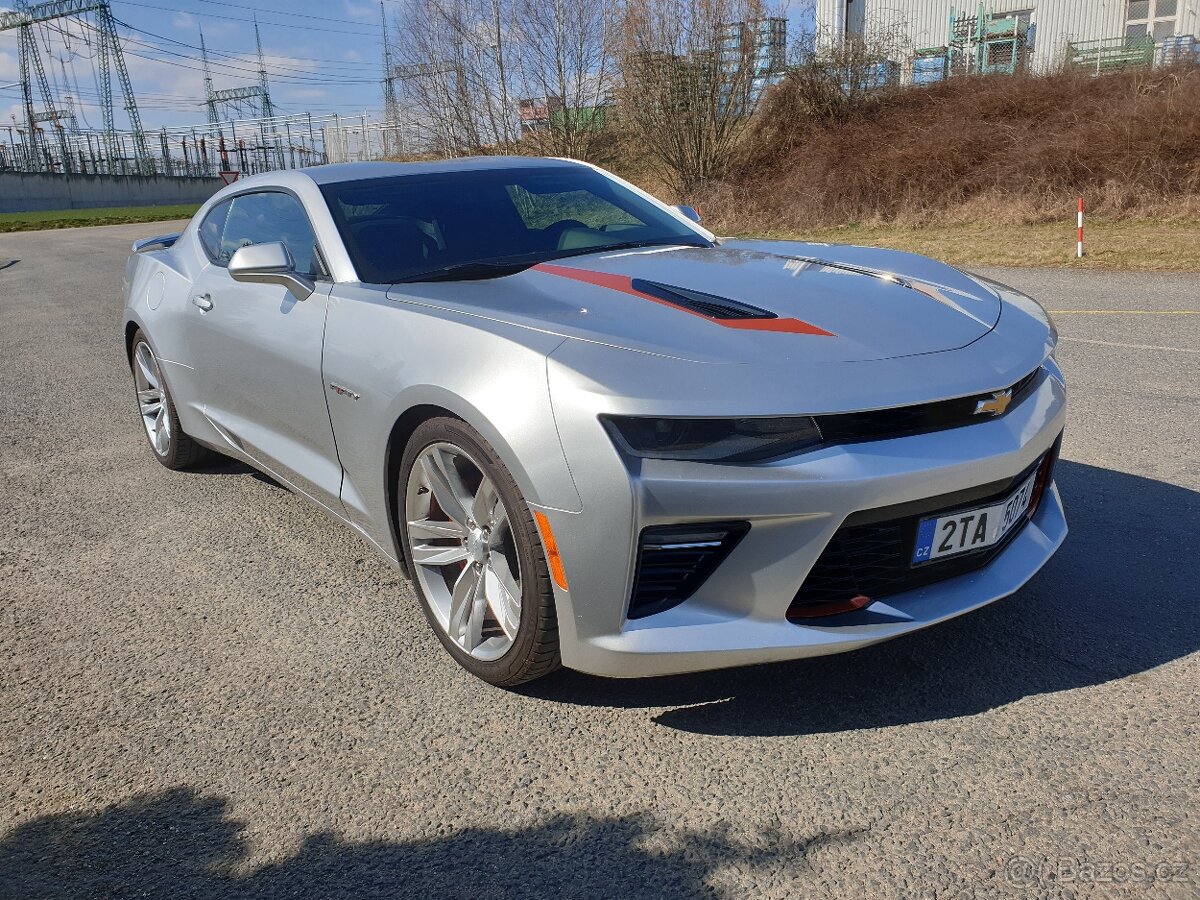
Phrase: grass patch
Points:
(1133, 245)
(75, 218)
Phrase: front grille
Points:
(870, 555)
(875, 425)
(674, 560)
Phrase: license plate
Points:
(972, 529)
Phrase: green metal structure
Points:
(980, 42)
(1111, 54)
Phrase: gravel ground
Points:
(207, 689)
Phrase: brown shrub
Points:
(1014, 149)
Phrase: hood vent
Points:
(697, 301)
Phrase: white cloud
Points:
(300, 94)
(360, 11)
(9, 70)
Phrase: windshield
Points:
(442, 225)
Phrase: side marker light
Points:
(557, 572)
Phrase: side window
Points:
(266, 217)
(211, 229)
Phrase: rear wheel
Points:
(471, 544)
(171, 446)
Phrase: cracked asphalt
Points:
(208, 689)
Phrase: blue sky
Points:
(323, 56)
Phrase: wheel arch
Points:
(132, 326)
(421, 404)
(402, 430)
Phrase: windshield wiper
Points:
(471, 271)
(626, 245)
(495, 267)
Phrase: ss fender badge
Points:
(995, 404)
(343, 391)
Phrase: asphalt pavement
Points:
(208, 689)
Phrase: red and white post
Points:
(1079, 244)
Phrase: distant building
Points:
(1012, 35)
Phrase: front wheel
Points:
(472, 547)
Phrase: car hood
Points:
(737, 302)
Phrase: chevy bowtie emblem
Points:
(995, 404)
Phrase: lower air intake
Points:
(674, 560)
(870, 556)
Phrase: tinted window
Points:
(212, 228)
(267, 217)
(398, 228)
(543, 210)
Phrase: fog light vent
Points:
(674, 560)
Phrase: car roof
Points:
(358, 171)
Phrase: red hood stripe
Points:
(624, 284)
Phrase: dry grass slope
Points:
(984, 150)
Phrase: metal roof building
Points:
(1007, 35)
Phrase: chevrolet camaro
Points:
(593, 433)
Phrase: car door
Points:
(257, 349)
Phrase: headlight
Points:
(712, 440)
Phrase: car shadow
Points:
(1119, 598)
(179, 843)
(218, 464)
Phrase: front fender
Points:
(388, 357)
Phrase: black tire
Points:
(181, 451)
(534, 652)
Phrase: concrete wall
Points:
(27, 192)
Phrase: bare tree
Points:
(457, 73)
(691, 77)
(566, 62)
(482, 75)
(836, 76)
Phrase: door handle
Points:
(204, 301)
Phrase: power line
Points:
(304, 76)
(228, 53)
(211, 52)
(279, 12)
(321, 29)
(251, 73)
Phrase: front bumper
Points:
(738, 616)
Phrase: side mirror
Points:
(689, 213)
(270, 264)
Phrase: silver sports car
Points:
(593, 433)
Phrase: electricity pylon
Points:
(258, 94)
(391, 107)
(109, 56)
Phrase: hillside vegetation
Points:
(991, 150)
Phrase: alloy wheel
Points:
(152, 398)
(463, 550)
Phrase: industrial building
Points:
(941, 38)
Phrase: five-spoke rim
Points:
(463, 550)
(152, 401)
